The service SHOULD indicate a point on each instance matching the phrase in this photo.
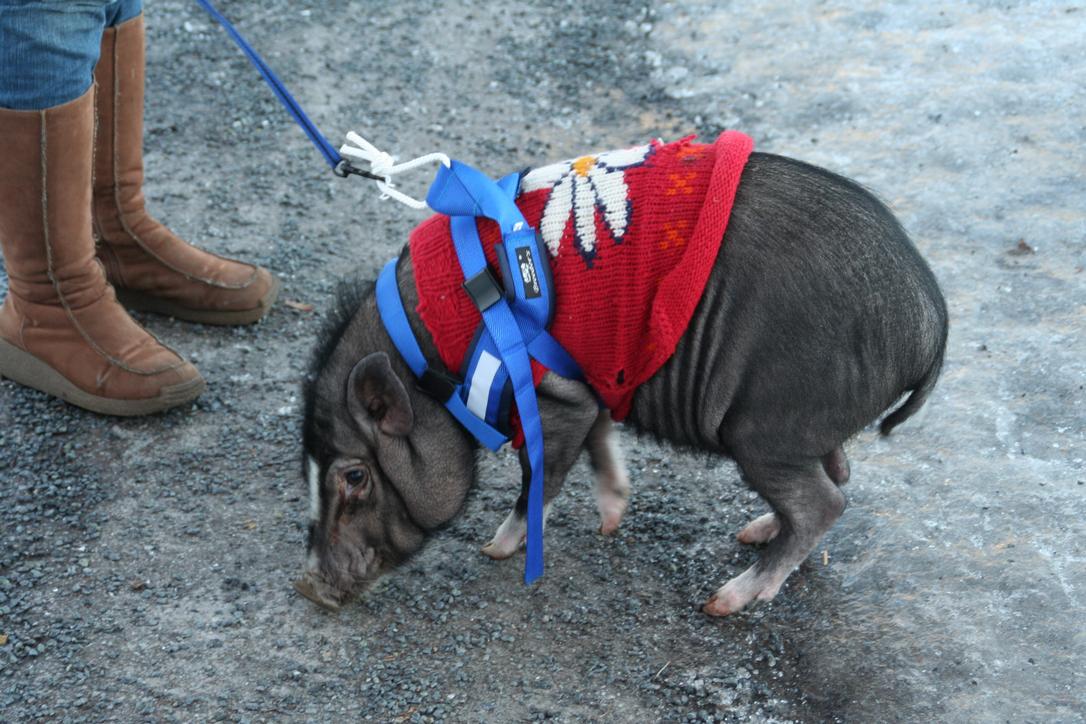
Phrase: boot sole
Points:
(26, 369)
(141, 302)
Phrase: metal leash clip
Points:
(343, 169)
(383, 167)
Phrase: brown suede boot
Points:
(61, 328)
(152, 269)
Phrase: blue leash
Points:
(340, 166)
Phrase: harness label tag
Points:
(527, 273)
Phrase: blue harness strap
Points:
(515, 317)
(506, 337)
(460, 190)
(434, 382)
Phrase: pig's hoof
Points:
(746, 588)
(509, 537)
(612, 507)
(715, 606)
(499, 550)
(761, 530)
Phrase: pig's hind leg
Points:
(806, 503)
(765, 528)
(567, 412)
(612, 482)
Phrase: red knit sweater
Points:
(632, 235)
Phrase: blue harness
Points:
(516, 314)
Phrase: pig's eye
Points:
(357, 484)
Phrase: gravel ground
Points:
(145, 564)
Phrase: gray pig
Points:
(818, 315)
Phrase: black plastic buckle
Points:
(343, 169)
(483, 290)
(437, 384)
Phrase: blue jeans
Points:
(48, 48)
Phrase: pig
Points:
(818, 316)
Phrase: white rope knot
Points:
(384, 165)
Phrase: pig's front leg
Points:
(512, 533)
(612, 482)
(567, 411)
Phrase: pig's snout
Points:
(317, 591)
(318, 585)
(335, 575)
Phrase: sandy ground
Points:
(145, 564)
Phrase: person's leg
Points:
(121, 11)
(152, 269)
(48, 49)
(61, 328)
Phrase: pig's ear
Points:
(375, 394)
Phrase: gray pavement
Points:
(145, 564)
